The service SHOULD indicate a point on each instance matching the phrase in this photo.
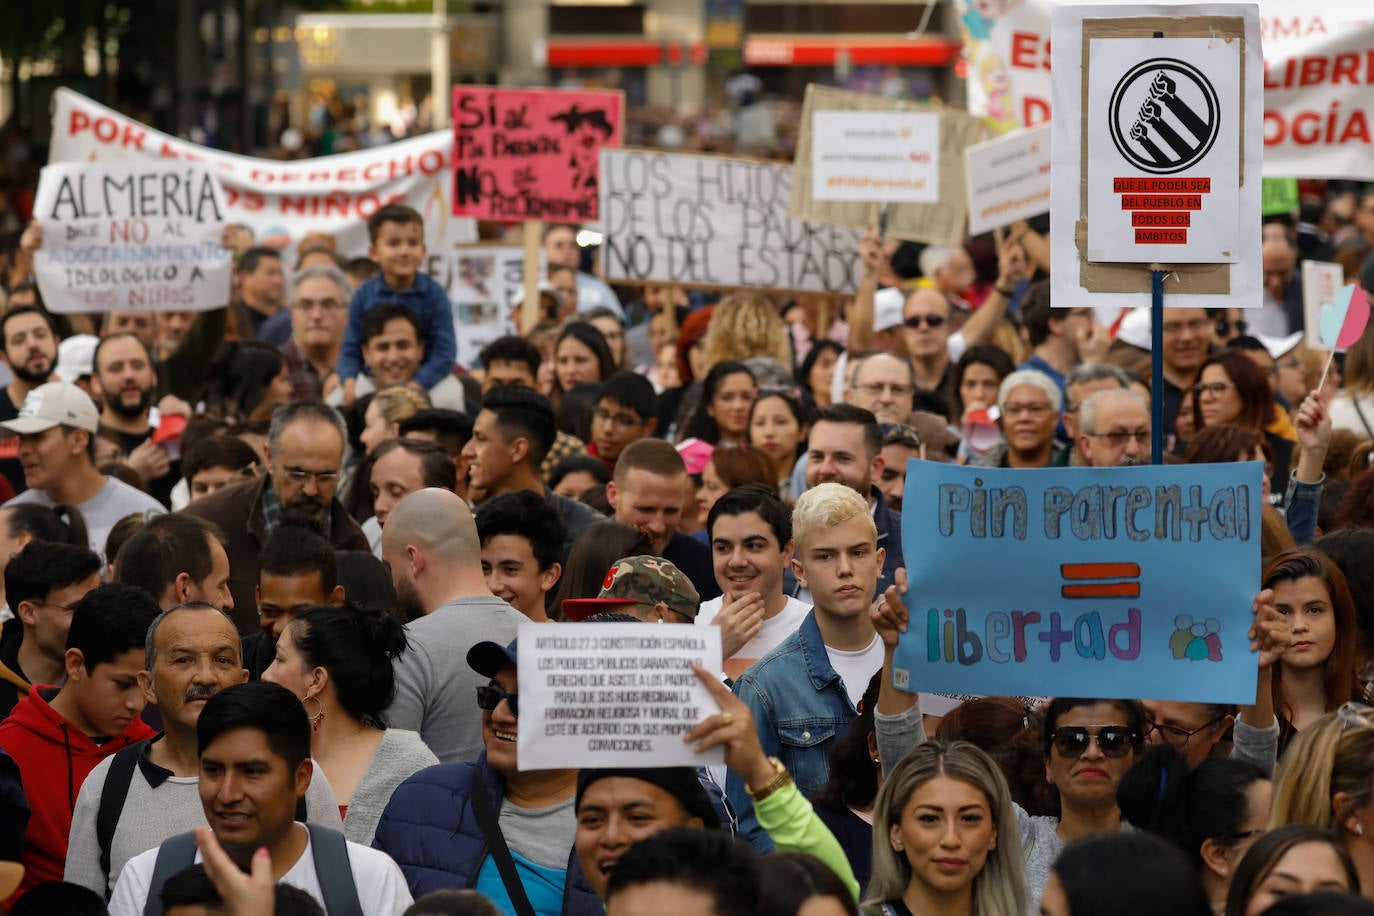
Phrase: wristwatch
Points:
(780, 778)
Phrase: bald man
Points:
(430, 542)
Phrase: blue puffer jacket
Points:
(431, 831)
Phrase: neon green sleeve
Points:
(792, 824)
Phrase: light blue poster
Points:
(1117, 582)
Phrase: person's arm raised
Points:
(861, 310)
(782, 811)
(1011, 270)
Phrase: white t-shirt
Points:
(856, 669)
(775, 629)
(382, 889)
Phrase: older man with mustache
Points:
(192, 654)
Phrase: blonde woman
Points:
(745, 325)
(382, 419)
(1326, 778)
(945, 841)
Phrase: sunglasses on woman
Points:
(1112, 740)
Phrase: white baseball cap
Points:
(55, 404)
(888, 304)
(76, 357)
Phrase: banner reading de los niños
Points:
(717, 221)
(1081, 582)
(131, 236)
(530, 153)
(282, 202)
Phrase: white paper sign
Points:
(137, 236)
(1163, 150)
(613, 694)
(717, 221)
(1320, 283)
(1008, 179)
(884, 156)
(1085, 230)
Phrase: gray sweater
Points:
(400, 755)
(436, 691)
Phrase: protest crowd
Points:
(266, 560)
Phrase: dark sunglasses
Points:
(930, 321)
(488, 698)
(1112, 740)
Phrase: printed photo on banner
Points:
(721, 221)
(283, 202)
(1008, 179)
(486, 281)
(1081, 582)
(530, 154)
(613, 694)
(131, 236)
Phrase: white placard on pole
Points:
(1008, 179)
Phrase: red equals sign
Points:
(1083, 574)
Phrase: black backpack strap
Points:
(335, 872)
(172, 856)
(118, 778)
(496, 844)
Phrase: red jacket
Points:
(54, 758)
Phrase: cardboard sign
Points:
(282, 202)
(1321, 282)
(890, 157)
(716, 221)
(613, 694)
(1164, 149)
(1082, 582)
(939, 221)
(1008, 179)
(1148, 101)
(132, 236)
(530, 153)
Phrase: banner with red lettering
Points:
(282, 202)
(1318, 77)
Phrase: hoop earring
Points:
(318, 717)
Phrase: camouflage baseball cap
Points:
(639, 580)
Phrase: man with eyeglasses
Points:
(305, 447)
(1079, 385)
(43, 582)
(1114, 429)
(883, 384)
(319, 303)
(626, 411)
(452, 825)
(1187, 337)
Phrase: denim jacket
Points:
(800, 708)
